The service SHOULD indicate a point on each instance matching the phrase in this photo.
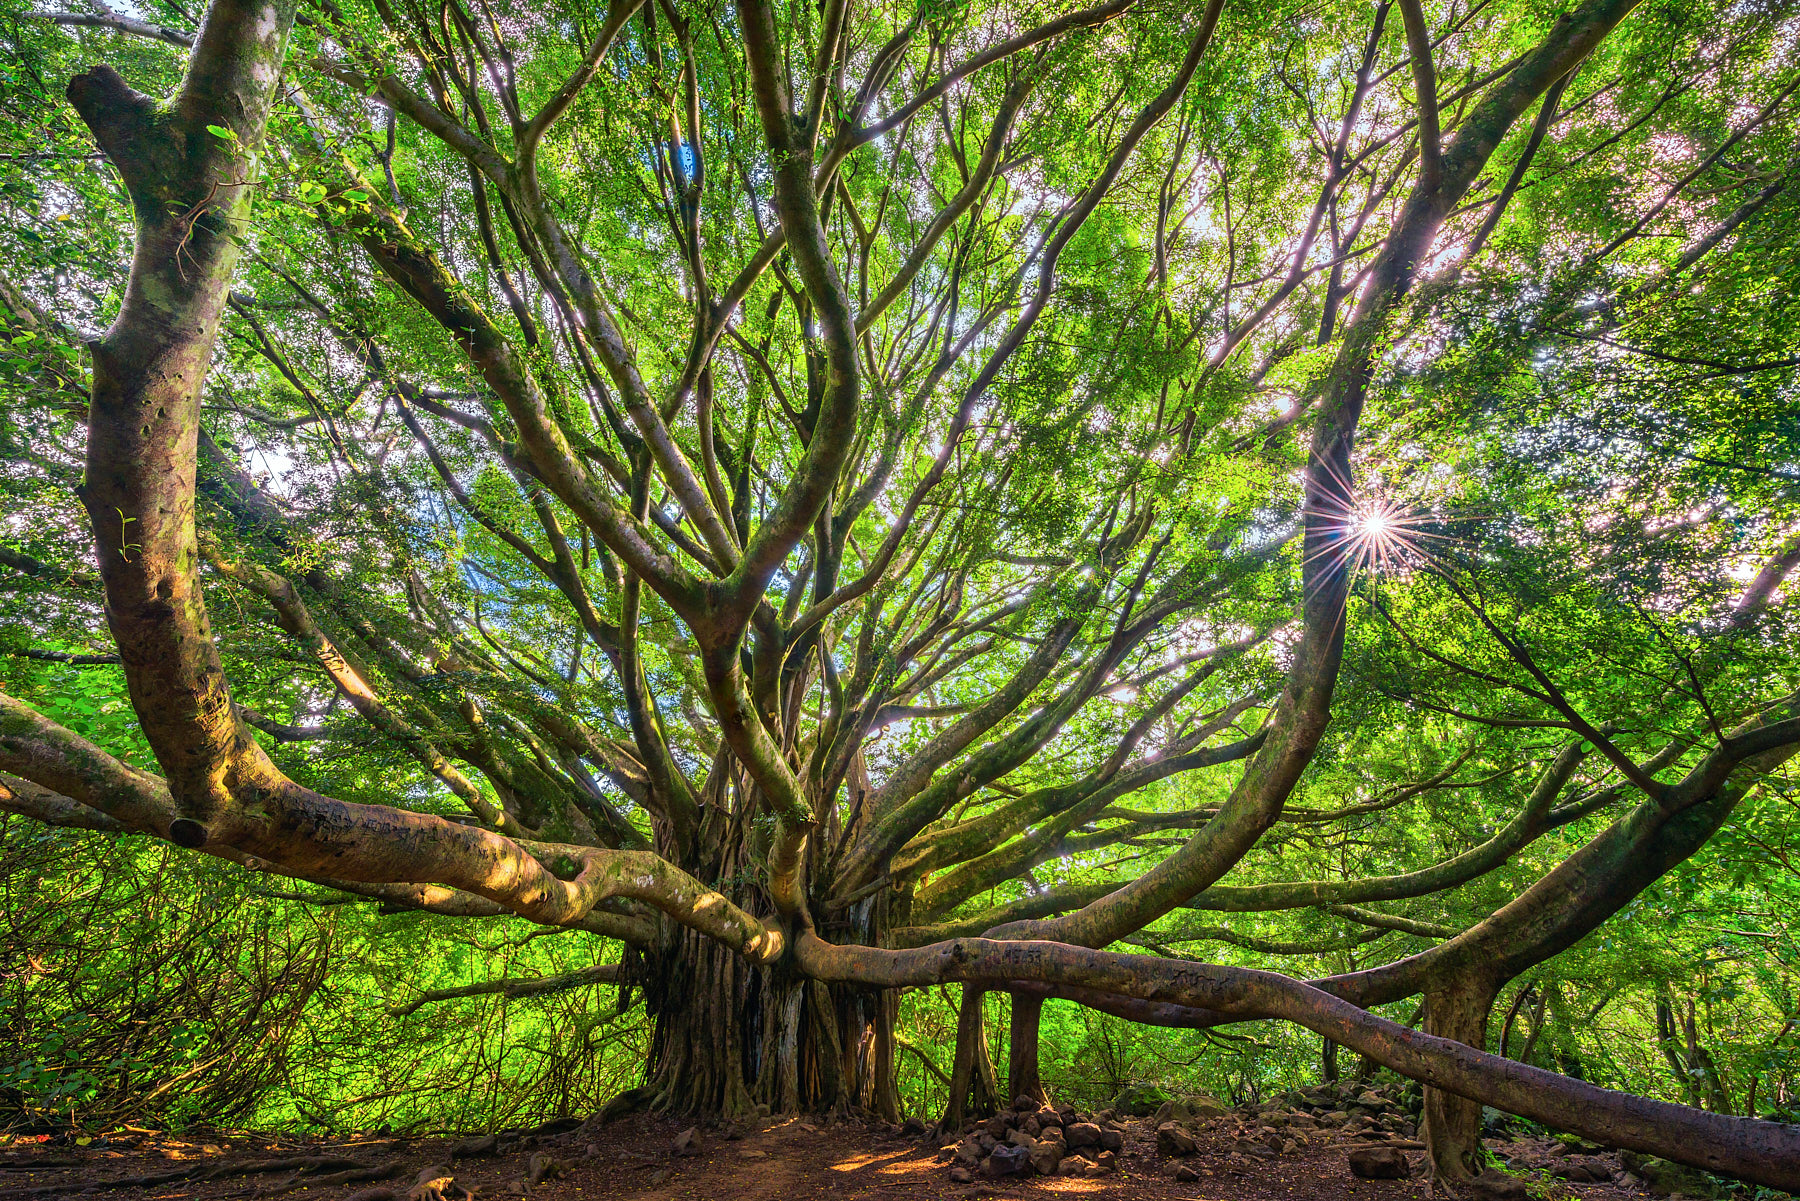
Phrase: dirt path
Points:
(632, 1159)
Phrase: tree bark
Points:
(973, 1088)
(1452, 1124)
(1022, 1078)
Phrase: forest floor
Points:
(635, 1159)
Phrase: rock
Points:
(1186, 1174)
(1024, 1104)
(1006, 1160)
(1496, 1186)
(686, 1143)
(988, 1142)
(752, 1153)
(1065, 1114)
(969, 1152)
(1581, 1169)
(996, 1126)
(1272, 1141)
(1018, 1138)
(1140, 1100)
(913, 1127)
(1335, 1118)
(1112, 1140)
(1031, 1125)
(1289, 1146)
(1081, 1134)
(1378, 1163)
(660, 1177)
(1172, 1138)
(1046, 1157)
(1071, 1166)
(1302, 1121)
(1205, 1106)
(961, 1175)
(1663, 1177)
(1107, 1161)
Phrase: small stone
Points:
(1379, 1163)
(686, 1143)
(1186, 1174)
(1112, 1140)
(913, 1127)
(1018, 1138)
(996, 1126)
(1106, 1161)
(968, 1152)
(1031, 1125)
(961, 1175)
(1024, 1104)
(1072, 1166)
(752, 1153)
(1046, 1157)
(660, 1177)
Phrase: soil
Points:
(790, 1160)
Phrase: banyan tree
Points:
(832, 498)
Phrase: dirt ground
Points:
(632, 1158)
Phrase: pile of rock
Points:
(1252, 1133)
(1032, 1140)
(1352, 1108)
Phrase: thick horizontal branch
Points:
(1759, 1151)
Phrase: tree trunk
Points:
(974, 1090)
(731, 1038)
(1022, 1079)
(716, 1022)
(1452, 1125)
(1328, 1066)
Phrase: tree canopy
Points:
(826, 499)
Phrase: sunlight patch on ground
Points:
(861, 1161)
(1069, 1184)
